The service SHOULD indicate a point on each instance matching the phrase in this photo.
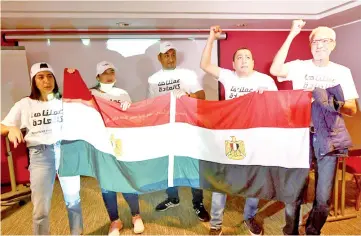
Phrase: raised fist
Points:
(297, 25)
(215, 32)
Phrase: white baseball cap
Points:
(103, 66)
(165, 46)
(38, 67)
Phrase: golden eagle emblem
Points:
(235, 149)
(117, 145)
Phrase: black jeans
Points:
(197, 194)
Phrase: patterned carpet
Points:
(176, 221)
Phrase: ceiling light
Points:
(86, 42)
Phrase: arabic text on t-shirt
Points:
(47, 117)
(319, 81)
(238, 91)
(168, 85)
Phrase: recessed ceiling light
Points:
(122, 24)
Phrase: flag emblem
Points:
(117, 145)
(235, 149)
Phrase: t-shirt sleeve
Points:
(150, 90)
(127, 97)
(348, 85)
(194, 85)
(293, 67)
(271, 84)
(225, 75)
(13, 118)
(123, 96)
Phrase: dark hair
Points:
(35, 92)
(242, 48)
(97, 86)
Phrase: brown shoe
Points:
(115, 227)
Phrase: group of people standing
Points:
(43, 139)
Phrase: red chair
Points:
(353, 166)
(16, 162)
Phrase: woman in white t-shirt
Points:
(41, 114)
(105, 76)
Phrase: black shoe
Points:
(253, 227)
(201, 212)
(166, 204)
(215, 231)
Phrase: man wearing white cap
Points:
(318, 72)
(170, 78)
(182, 82)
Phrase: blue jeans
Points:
(219, 203)
(44, 161)
(324, 179)
(172, 193)
(110, 201)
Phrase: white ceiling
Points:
(256, 14)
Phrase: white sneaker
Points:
(138, 224)
(115, 227)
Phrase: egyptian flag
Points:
(256, 145)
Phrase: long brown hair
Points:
(35, 92)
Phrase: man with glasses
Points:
(317, 72)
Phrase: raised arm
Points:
(278, 67)
(206, 66)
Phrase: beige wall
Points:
(348, 53)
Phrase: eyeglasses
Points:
(322, 41)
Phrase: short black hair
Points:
(242, 48)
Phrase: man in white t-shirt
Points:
(318, 72)
(243, 80)
(181, 82)
(170, 78)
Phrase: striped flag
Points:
(256, 145)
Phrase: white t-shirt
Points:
(235, 86)
(306, 75)
(115, 94)
(42, 120)
(165, 81)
